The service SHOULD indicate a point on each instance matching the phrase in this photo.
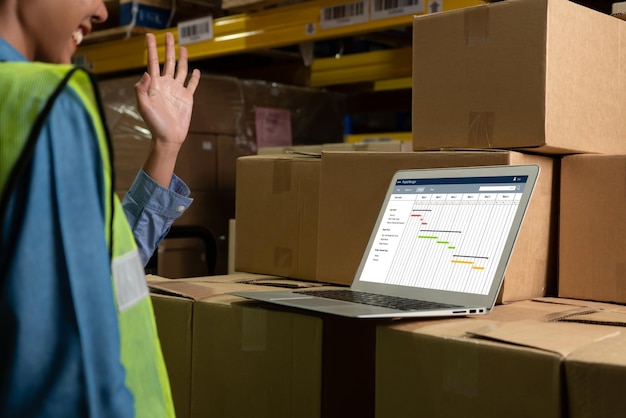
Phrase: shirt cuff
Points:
(171, 203)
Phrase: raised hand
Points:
(165, 101)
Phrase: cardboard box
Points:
(592, 263)
(231, 117)
(267, 280)
(228, 151)
(129, 155)
(595, 374)
(315, 115)
(183, 257)
(535, 74)
(173, 302)
(211, 210)
(348, 213)
(196, 163)
(232, 225)
(240, 358)
(319, 214)
(218, 106)
(153, 14)
(508, 363)
(130, 135)
(156, 14)
(379, 146)
(252, 361)
(173, 316)
(259, 113)
(277, 213)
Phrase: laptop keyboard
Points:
(384, 301)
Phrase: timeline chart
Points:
(442, 241)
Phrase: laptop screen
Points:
(444, 234)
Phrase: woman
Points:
(77, 336)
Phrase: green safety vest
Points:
(146, 375)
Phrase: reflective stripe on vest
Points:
(146, 376)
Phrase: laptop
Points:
(439, 247)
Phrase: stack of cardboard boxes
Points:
(231, 118)
(319, 212)
(229, 357)
(542, 76)
(515, 82)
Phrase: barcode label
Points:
(344, 14)
(196, 30)
(81, 61)
(387, 8)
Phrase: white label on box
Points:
(196, 30)
(344, 14)
(382, 9)
(273, 127)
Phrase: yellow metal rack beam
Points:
(386, 136)
(366, 66)
(393, 84)
(272, 28)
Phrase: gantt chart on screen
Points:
(444, 235)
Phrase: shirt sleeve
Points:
(151, 209)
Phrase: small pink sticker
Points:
(273, 127)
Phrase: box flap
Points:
(199, 290)
(599, 318)
(613, 307)
(179, 288)
(453, 328)
(560, 338)
(185, 289)
(587, 312)
(527, 310)
(537, 311)
(256, 279)
(284, 283)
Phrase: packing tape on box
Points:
(283, 260)
(281, 176)
(476, 25)
(461, 373)
(480, 124)
(253, 329)
(480, 129)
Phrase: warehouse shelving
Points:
(368, 66)
(302, 24)
(248, 32)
